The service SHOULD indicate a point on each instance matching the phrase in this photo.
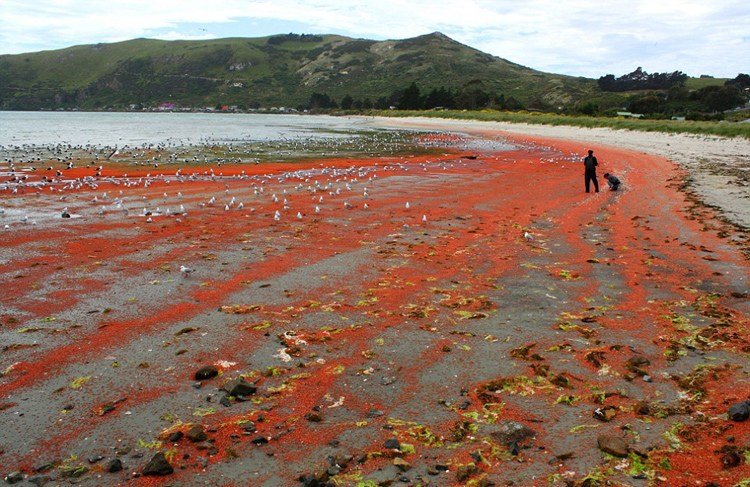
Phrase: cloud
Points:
(582, 37)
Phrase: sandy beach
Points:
(719, 168)
(463, 314)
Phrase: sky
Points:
(575, 37)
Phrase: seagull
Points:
(407, 206)
(185, 270)
(528, 236)
(299, 215)
(317, 209)
(277, 215)
(424, 218)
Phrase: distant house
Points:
(167, 106)
(629, 115)
(679, 119)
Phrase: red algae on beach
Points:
(467, 318)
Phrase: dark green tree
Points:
(410, 99)
(347, 102)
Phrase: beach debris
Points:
(512, 432)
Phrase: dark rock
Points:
(40, 480)
(14, 477)
(386, 381)
(465, 471)
(249, 426)
(175, 436)
(114, 465)
(207, 372)
(614, 445)
(392, 444)
(512, 432)
(225, 401)
(65, 214)
(239, 388)
(95, 459)
(739, 411)
(374, 413)
(196, 434)
(441, 468)
(158, 465)
(260, 440)
(314, 417)
(401, 464)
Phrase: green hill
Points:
(279, 70)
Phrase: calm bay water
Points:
(175, 129)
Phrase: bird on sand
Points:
(186, 271)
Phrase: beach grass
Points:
(722, 129)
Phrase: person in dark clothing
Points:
(590, 163)
(612, 180)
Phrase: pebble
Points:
(114, 465)
(239, 388)
(614, 445)
(207, 372)
(158, 465)
(13, 478)
(196, 434)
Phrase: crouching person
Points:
(612, 180)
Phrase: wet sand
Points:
(501, 296)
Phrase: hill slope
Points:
(276, 70)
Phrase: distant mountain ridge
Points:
(282, 70)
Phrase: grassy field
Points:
(723, 129)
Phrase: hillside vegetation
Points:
(282, 70)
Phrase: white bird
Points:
(407, 206)
(299, 215)
(528, 236)
(149, 220)
(277, 215)
(240, 206)
(317, 209)
(424, 218)
(226, 207)
(366, 206)
(185, 270)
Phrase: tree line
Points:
(641, 80)
(472, 96)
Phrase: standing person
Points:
(590, 163)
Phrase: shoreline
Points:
(718, 168)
